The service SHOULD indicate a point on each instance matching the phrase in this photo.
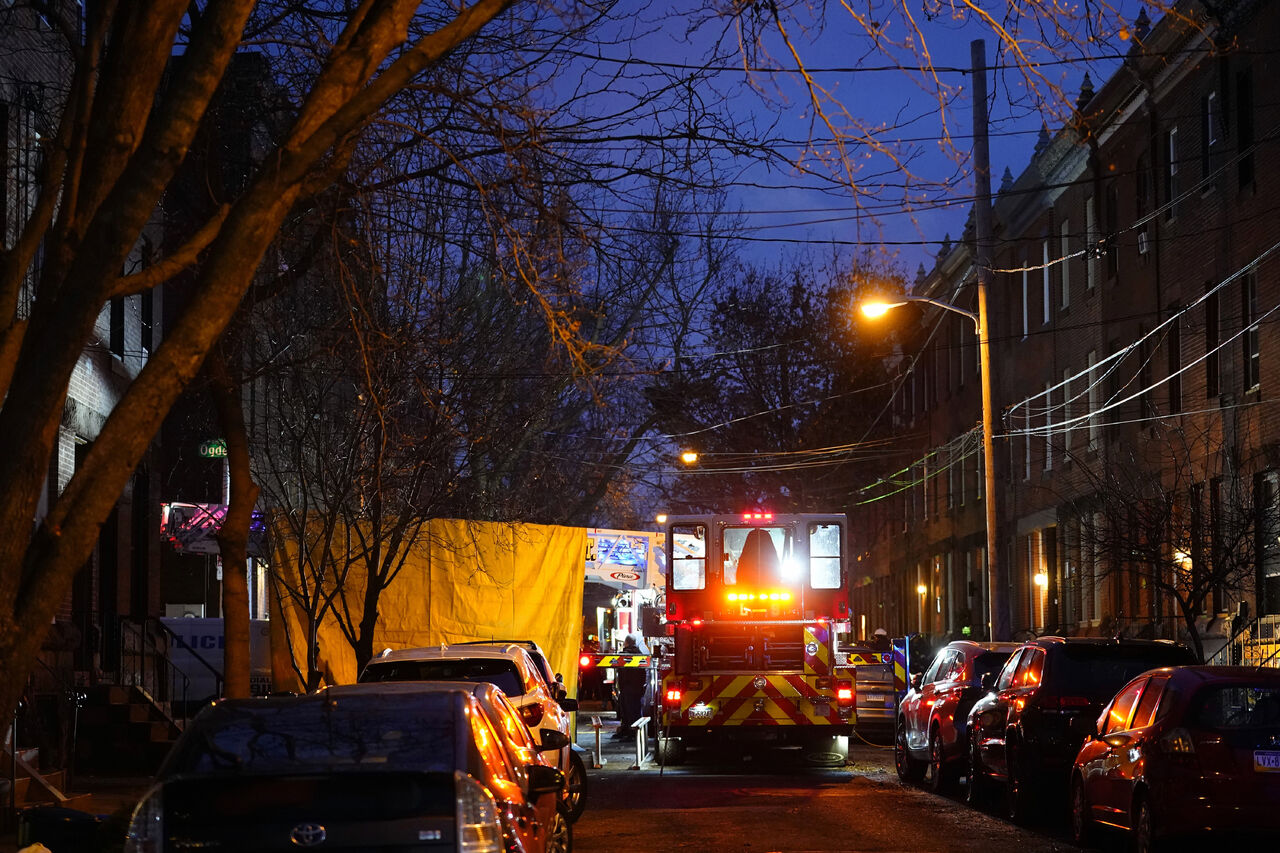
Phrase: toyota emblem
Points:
(307, 834)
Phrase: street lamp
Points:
(998, 626)
(689, 457)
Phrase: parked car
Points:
(872, 687)
(512, 669)
(386, 771)
(517, 742)
(553, 679)
(1026, 732)
(931, 730)
(1183, 750)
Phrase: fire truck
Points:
(752, 603)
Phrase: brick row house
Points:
(1134, 368)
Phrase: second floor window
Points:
(1249, 337)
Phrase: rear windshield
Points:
(498, 671)
(269, 736)
(988, 662)
(1098, 671)
(1237, 706)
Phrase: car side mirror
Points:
(568, 704)
(544, 779)
(550, 739)
(917, 680)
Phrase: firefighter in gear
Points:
(631, 681)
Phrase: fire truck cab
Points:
(752, 602)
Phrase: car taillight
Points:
(479, 830)
(531, 713)
(844, 692)
(1178, 742)
(146, 827)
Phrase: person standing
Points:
(631, 680)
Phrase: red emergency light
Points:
(673, 696)
(757, 516)
(584, 661)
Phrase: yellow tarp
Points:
(463, 580)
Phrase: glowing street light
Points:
(999, 627)
(689, 457)
(661, 518)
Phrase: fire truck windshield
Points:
(758, 556)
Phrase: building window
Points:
(1170, 171)
(1244, 127)
(1064, 240)
(1048, 426)
(1210, 146)
(1093, 400)
(1174, 344)
(1046, 297)
(980, 481)
(148, 321)
(1067, 404)
(1109, 214)
(1212, 340)
(116, 331)
(1249, 337)
(1090, 248)
(1025, 297)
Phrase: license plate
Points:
(1266, 761)
(875, 697)
(701, 712)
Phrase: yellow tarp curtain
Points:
(463, 580)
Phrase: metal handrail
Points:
(165, 677)
(1225, 655)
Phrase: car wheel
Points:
(560, 833)
(1017, 789)
(1081, 818)
(1144, 828)
(909, 769)
(575, 785)
(941, 774)
(977, 791)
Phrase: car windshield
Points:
(1237, 706)
(267, 736)
(1097, 671)
(499, 671)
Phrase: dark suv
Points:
(1026, 731)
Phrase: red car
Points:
(930, 735)
(1182, 750)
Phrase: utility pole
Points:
(997, 593)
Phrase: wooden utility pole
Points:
(997, 592)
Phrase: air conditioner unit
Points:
(1143, 244)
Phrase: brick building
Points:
(1132, 350)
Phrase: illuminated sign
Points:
(193, 528)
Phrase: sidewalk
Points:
(109, 799)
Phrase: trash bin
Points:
(61, 830)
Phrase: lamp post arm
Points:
(946, 306)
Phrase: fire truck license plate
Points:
(701, 712)
(1266, 761)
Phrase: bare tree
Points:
(1169, 522)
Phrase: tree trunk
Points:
(233, 537)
